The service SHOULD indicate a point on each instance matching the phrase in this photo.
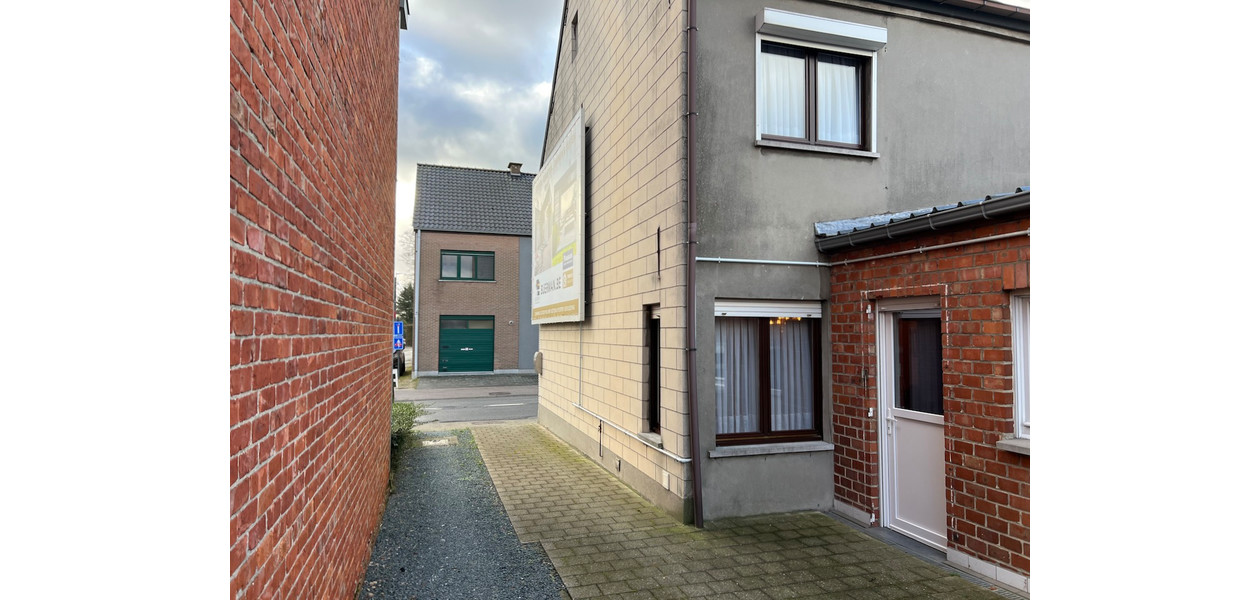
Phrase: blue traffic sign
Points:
(398, 328)
(399, 344)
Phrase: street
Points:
(455, 402)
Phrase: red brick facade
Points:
(313, 128)
(500, 297)
(987, 489)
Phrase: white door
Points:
(912, 435)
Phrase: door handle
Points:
(889, 420)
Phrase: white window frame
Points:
(1021, 304)
(830, 35)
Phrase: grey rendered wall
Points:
(736, 486)
(527, 340)
(953, 124)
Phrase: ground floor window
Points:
(1021, 307)
(766, 379)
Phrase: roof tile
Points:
(472, 200)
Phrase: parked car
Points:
(400, 361)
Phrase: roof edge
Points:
(991, 208)
(989, 12)
(555, 71)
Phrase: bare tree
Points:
(404, 259)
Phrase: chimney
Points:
(514, 169)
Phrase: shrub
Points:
(402, 417)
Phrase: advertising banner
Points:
(559, 230)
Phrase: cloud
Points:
(425, 71)
(474, 84)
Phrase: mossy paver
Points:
(606, 541)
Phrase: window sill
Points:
(814, 148)
(468, 280)
(1016, 445)
(778, 448)
(652, 439)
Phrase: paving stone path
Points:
(606, 541)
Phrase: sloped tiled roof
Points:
(470, 200)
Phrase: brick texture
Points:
(628, 75)
(987, 489)
(500, 297)
(313, 122)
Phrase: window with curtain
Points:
(812, 96)
(1021, 309)
(477, 266)
(766, 380)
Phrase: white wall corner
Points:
(988, 570)
(854, 513)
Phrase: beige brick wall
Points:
(629, 78)
(500, 297)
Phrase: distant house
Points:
(472, 229)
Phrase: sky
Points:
(474, 80)
(1146, 235)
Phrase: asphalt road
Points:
(453, 402)
(479, 409)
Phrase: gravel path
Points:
(445, 533)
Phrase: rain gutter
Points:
(990, 208)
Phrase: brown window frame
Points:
(863, 65)
(766, 435)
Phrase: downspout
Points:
(415, 311)
(689, 297)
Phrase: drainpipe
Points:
(415, 310)
(689, 297)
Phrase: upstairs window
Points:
(813, 96)
(816, 82)
(471, 266)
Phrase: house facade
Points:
(310, 292)
(472, 228)
(930, 338)
(717, 135)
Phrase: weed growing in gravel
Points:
(402, 417)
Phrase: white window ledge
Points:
(814, 148)
(1016, 445)
(779, 448)
(652, 439)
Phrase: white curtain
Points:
(782, 95)
(737, 384)
(838, 108)
(791, 376)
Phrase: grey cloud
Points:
(474, 82)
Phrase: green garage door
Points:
(466, 343)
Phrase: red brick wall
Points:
(987, 489)
(500, 297)
(313, 122)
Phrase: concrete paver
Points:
(606, 541)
